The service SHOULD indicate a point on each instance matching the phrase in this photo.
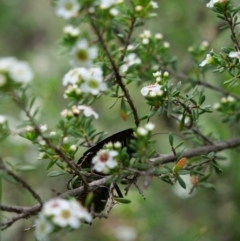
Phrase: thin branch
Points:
(26, 212)
(203, 150)
(20, 180)
(71, 164)
(115, 70)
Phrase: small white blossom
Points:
(212, 3)
(165, 74)
(6, 63)
(65, 140)
(158, 36)
(21, 72)
(73, 148)
(216, 106)
(234, 54)
(65, 213)
(158, 79)
(157, 74)
(72, 77)
(71, 30)
(117, 144)
(150, 126)
(130, 47)
(145, 34)
(41, 142)
(145, 41)
(88, 111)
(208, 60)
(82, 54)
(114, 12)
(2, 119)
(104, 161)
(204, 44)
(154, 4)
(67, 8)
(230, 99)
(3, 80)
(93, 81)
(153, 88)
(53, 133)
(142, 131)
(43, 128)
(138, 8)
(166, 45)
(43, 228)
(129, 60)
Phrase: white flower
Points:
(142, 131)
(93, 81)
(157, 74)
(129, 60)
(71, 30)
(53, 133)
(208, 60)
(234, 54)
(204, 44)
(107, 3)
(158, 36)
(72, 77)
(73, 148)
(82, 54)
(43, 128)
(88, 111)
(153, 88)
(2, 119)
(104, 160)
(67, 8)
(21, 72)
(7, 63)
(117, 144)
(166, 45)
(150, 126)
(154, 4)
(65, 212)
(138, 8)
(212, 3)
(3, 80)
(114, 12)
(145, 41)
(43, 228)
(216, 106)
(145, 34)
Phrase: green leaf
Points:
(25, 168)
(181, 182)
(56, 173)
(170, 137)
(207, 185)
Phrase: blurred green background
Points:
(29, 30)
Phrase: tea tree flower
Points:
(71, 30)
(93, 81)
(67, 8)
(209, 59)
(82, 54)
(212, 3)
(6, 63)
(129, 60)
(105, 160)
(43, 228)
(21, 72)
(153, 88)
(234, 54)
(88, 111)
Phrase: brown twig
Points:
(115, 70)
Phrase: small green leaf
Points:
(207, 185)
(181, 182)
(170, 137)
(25, 168)
(56, 173)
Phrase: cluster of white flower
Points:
(129, 60)
(67, 8)
(143, 131)
(76, 110)
(224, 100)
(87, 80)
(145, 36)
(105, 160)
(17, 71)
(152, 90)
(60, 213)
(71, 30)
(234, 54)
(213, 2)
